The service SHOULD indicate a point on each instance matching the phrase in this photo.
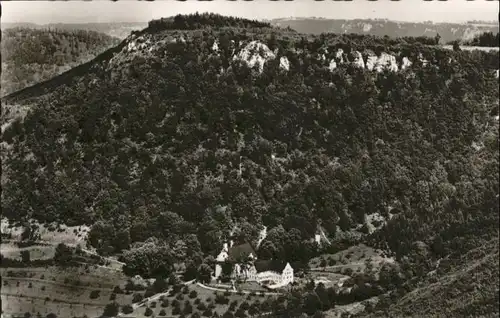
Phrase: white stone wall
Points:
(268, 275)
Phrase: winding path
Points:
(246, 292)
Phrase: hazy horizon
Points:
(458, 11)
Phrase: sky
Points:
(43, 12)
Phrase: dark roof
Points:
(240, 251)
(269, 265)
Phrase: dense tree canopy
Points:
(173, 140)
(30, 56)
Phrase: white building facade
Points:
(269, 273)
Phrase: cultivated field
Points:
(71, 292)
(201, 300)
(353, 259)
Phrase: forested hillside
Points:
(463, 285)
(114, 29)
(200, 122)
(488, 39)
(30, 56)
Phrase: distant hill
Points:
(32, 55)
(447, 31)
(115, 29)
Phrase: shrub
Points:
(228, 314)
(137, 298)
(131, 286)
(30, 285)
(195, 315)
(127, 309)
(208, 313)
(43, 288)
(51, 315)
(162, 313)
(111, 310)
(221, 300)
(95, 294)
(149, 293)
(201, 306)
(153, 304)
(188, 309)
(177, 288)
(185, 289)
(244, 305)
(148, 312)
(180, 297)
(193, 294)
(197, 301)
(173, 280)
(227, 293)
(164, 303)
(112, 296)
(175, 303)
(159, 285)
(240, 313)
(253, 310)
(176, 311)
(117, 290)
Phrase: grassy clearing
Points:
(251, 286)
(354, 257)
(53, 233)
(37, 252)
(328, 279)
(18, 304)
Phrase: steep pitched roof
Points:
(241, 250)
(269, 265)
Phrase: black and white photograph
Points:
(248, 159)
